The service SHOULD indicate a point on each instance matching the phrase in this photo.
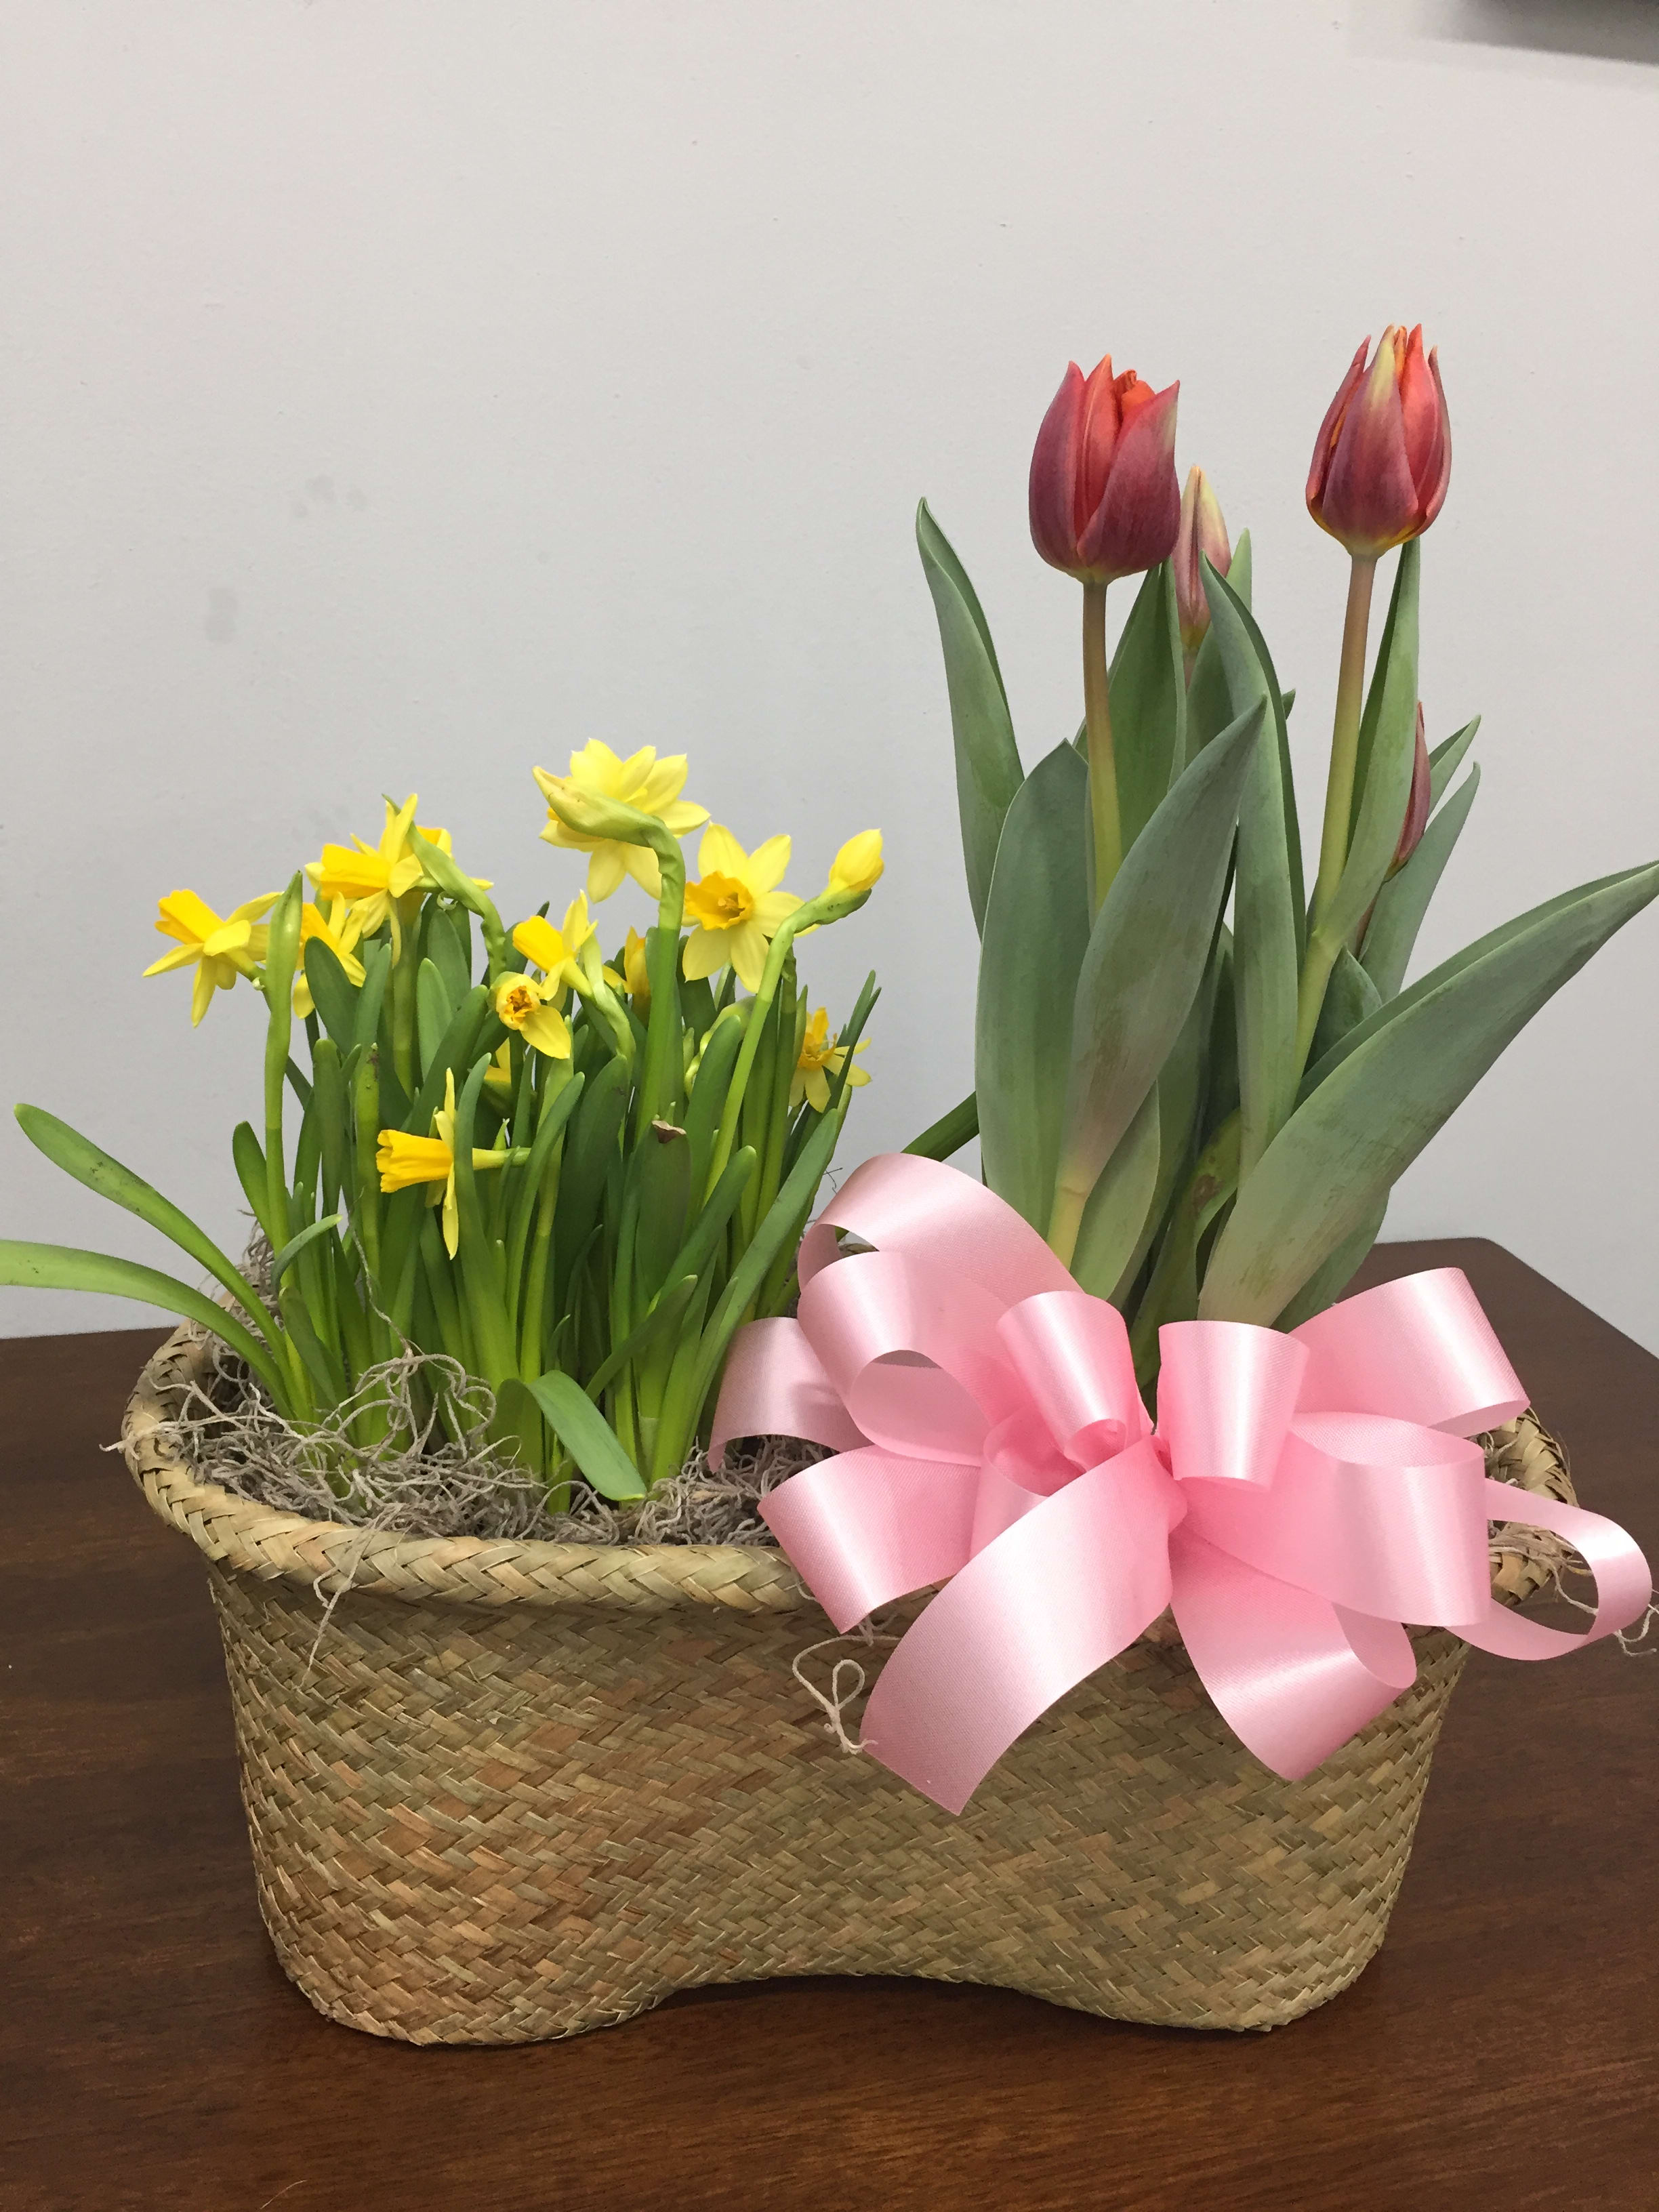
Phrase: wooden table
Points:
(1502, 2051)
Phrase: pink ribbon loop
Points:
(1304, 1495)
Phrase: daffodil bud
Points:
(1203, 532)
(858, 867)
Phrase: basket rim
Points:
(331, 1557)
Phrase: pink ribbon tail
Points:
(1624, 1583)
(1025, 1620)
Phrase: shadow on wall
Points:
(1612, 30)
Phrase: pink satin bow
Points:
(1303, 1495)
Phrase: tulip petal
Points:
(1437, 472)
(1325, 443)
(1053, 473)
(1136, 524)
(1370, 501)
(1099, 421)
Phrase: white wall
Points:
(396, 395)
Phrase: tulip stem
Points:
(1345, 737)
(1103, 765)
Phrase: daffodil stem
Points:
(1098, 723)
(1345, 738)
(1064, 1221)
(659, 1089)
(760, 1007)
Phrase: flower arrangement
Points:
(1197, 1081)
(1112, 1380)
(570, 1180)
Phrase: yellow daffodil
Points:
(372, 880)
(498, 1076)
(557, 953)
(340, 933)
(642, 781)
(527, 1005)
(220, 950)
(404, 1160)
(635, 978)
(858, 867)
(736, 905)
(820, 1059)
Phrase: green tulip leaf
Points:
(1377, 1099)
(1326, 1284)
(1209, 701)
(1145, 959)
(1404, 899)
(988, 773)
(1035, 933)
(1148, 694)
(1121, 1216)
(1446, 759)
(1350, 996)
(1268, 903)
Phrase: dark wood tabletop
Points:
(1502, 2051)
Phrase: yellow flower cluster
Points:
(734, 908)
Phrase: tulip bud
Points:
(1417, 805)
(1382, 457)
(1103, 497)
(1203, 531)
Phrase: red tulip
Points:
(1417, 805)
(1203, 530)
(1104, 500)
(1382, 457)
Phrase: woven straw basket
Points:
(513, 1791)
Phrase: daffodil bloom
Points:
(642, 781)
(340, 933)
(372, 880)
(498, 1076)
(404, 1160)
(735, 905)
(820, 1059)
(557, 953)
(220, 950)
(635, 978)
(858, 867)
(527, 1005)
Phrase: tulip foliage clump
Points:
(1199, 1080)
(567, 1179)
